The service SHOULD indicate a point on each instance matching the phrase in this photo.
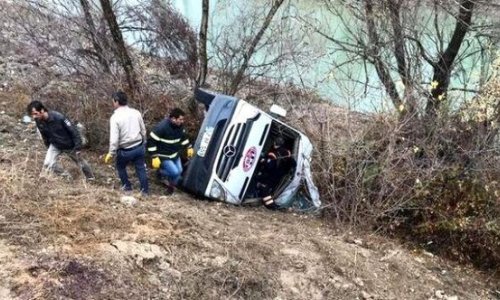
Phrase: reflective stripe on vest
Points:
(167, 155)
(154, 136)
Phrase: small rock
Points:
(177, 275)
(390, 255)
(128, 200)
(452, 298)
(358, 281)
(352, 240)
(426, 253)
(439, 294)
(419, 260)
(154, 280)
(26, 119)
(164, 265)
(365, 295)
(358, 242)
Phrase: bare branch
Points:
(248, 54)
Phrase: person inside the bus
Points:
(273, 167)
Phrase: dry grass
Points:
(70, 239)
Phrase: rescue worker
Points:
(274, 167)
(59, 135)
(127, 141)
(165, 141)
(277, 153)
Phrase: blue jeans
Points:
(137, 157)
(171, 169)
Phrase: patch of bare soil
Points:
(63, 238)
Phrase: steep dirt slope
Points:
(67, 239)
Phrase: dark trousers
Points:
(137, 157)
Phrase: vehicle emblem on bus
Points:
(229, 151)
(249, 159)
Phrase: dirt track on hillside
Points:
(67, 239)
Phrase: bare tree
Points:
(164, 34)
(98, 50)
(66, 32)
(384, 35)
(281, 55)
(445, 59)
(121, 49)
(251, 49)
(374, 50)
(202, 52)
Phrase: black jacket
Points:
(59, 131)
(166, 139)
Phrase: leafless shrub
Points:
(439, 190)
(164, 33)
(280, 45)
(409, 44)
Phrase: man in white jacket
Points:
(127, 141)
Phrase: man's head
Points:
(279, 142)
(37, 110)
(177, 116)
(119, 99)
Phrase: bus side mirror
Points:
(277, 110)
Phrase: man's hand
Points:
(156, 162)
(190, 152)
(107, 158)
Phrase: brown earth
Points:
(63, 238)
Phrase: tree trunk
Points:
(203, 57)
(92, 31)
(374, 54)
(248, 54)
(121, 49)
(444, 65)
(400, 55)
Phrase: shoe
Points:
(126, 190)
(143, 196)
(158, 176)
(169, 189)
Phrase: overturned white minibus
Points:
(232, 140)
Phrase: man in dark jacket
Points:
(273, 168)
(60, 136)
(165, 141)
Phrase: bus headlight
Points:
(216, 191)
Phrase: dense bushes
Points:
(90, 104)
(434, 183)
(440, 189)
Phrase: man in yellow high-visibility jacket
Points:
(165, 141)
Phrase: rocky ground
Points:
(63, 238)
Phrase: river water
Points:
(311, 61)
